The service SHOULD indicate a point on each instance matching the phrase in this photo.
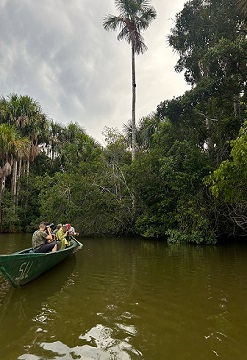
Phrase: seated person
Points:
(42, 241)
(71, 230)
(56, 229)
(62, 236)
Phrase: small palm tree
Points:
(148, 126)
(26, 115)
(134, 16)
(13, 147)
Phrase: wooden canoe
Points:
(23, 266)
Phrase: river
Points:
(129, 299)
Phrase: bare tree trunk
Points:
(2, 188)
(3, 184)
(236, 105)
(14, 180)
(18, 181)
(24, 166)
(1, 209)
(28, 167)
(209, 141)
(133, 103)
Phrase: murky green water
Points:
(129, 299)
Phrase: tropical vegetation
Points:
(187, 180)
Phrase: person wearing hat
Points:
(71, 230)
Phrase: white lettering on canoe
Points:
(24, 270)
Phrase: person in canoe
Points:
(71, 230)
(42, 240)
(56, 230)
(62, 236)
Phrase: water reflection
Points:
(134, 300)
(27, 307)
(98, 343)
(103, 341)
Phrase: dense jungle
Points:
(187, 181)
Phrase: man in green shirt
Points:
(42, 240)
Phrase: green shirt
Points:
(38, 239)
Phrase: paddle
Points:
(78, 242)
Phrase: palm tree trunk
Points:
(14, 180)
(3, 184)
(1, 207)
(1, 211)
(133, 103)
(18, 180)
(2, 188)
(28, 167)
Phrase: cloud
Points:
(58, 53)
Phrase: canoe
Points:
(21, 267)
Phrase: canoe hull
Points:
(24, 266)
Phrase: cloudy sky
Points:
(57, 52)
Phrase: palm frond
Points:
(124, 34)
(112, 22)
(125, 7)
(135, 16)
(138, 43)
(146, 17)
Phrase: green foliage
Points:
(194, 218)
(11, 220)
(29, 209)
(229, 180)
(228, 185)
(116, 151)
(213, 21)
(194, 237)
(90, 190)
(90, 202)
(165, 182)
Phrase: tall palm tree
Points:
(134, 16)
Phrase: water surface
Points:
(129, 299)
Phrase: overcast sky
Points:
(58, 53)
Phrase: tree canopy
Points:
(187, 181)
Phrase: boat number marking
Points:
(24, 270)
